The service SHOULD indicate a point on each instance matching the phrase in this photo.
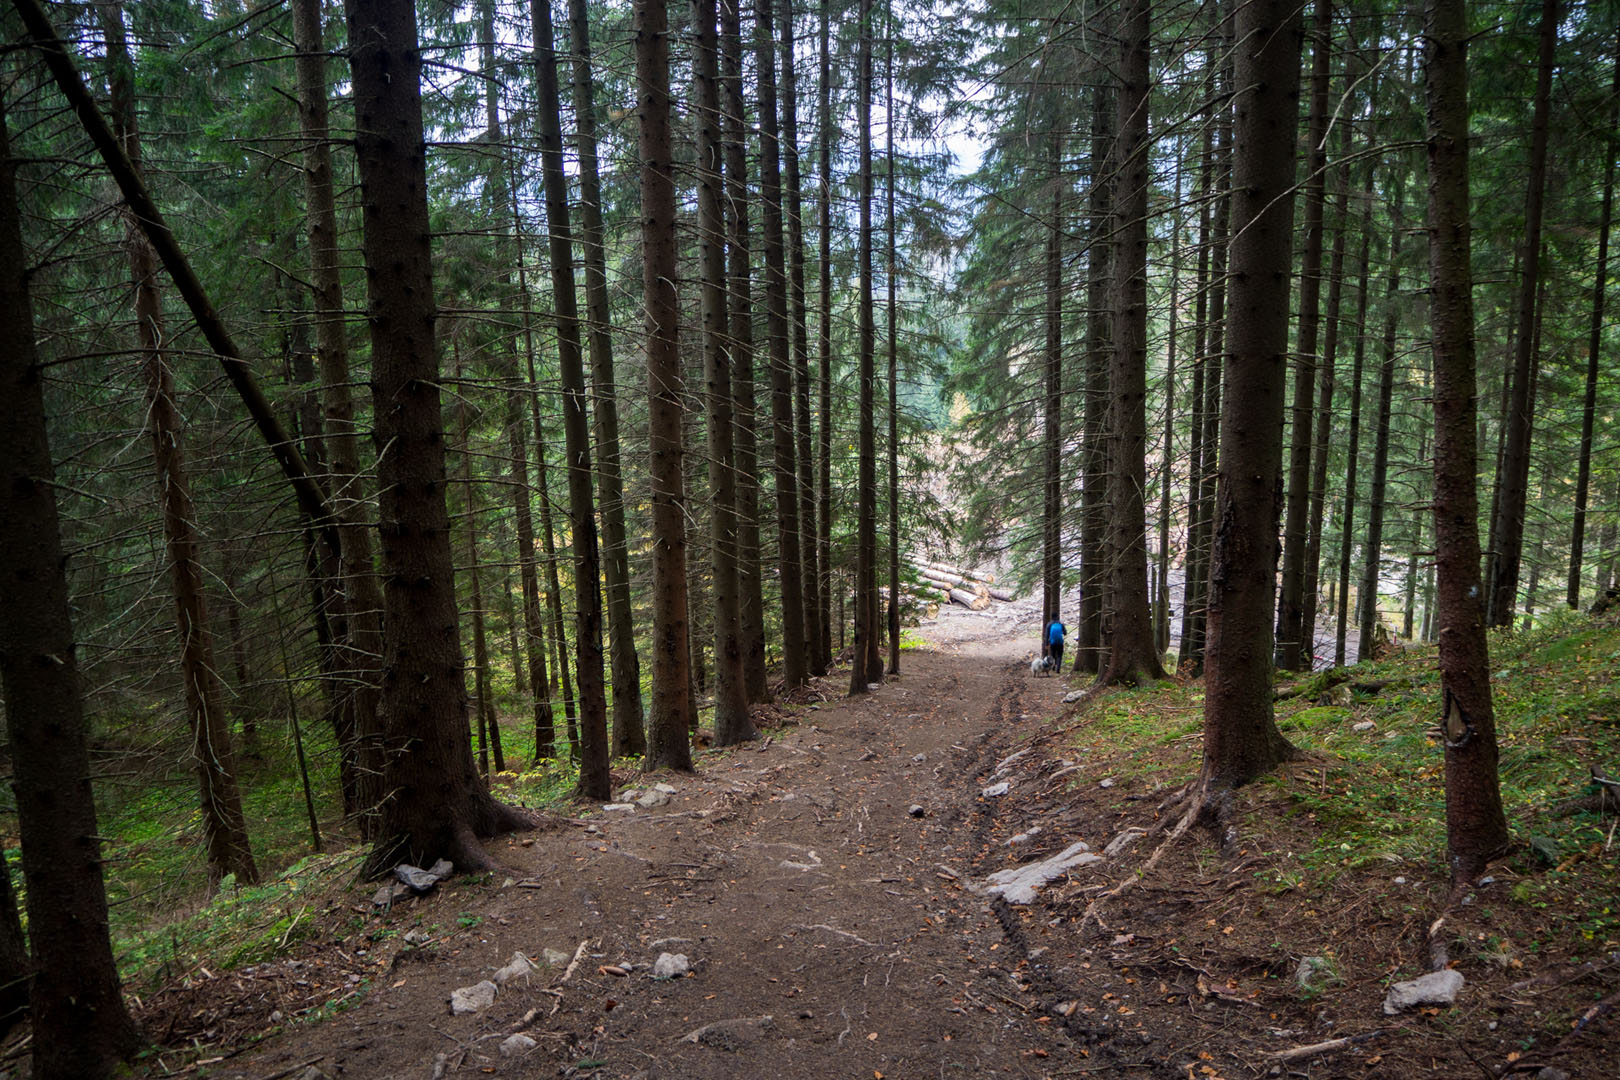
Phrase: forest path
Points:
(793, 876)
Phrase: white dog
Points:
(1041, 665)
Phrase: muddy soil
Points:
(825, 886)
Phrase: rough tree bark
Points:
(793, 197)
(740, 317)
(1132, 658)
(81, 1030)
(1089, 656)
(629, 731)
(668, 742)
(1241, 740)
(732, 723)
(866, 628)
(595, 782)
(1476, 827)
(784, 469)
(436, 804)
(1294, 637)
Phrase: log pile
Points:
(953, 584)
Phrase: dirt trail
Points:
(829, 930)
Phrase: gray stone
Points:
(630, 794)
(916, 810)
(1549, 1073)
(671, 966)
(1363, 725)
(417, 938)
(1435, 988)
(652, 798)
(555, 957)
(390, 894)
(995, 789)
(667, 789)
(1018, 884)
(420, 880)
(619, 807)
(518, 967)
(472, 999)
(1024, 837)
(1073, 696)
(1106, 783)
(513, 1045)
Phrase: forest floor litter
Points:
(898, 886)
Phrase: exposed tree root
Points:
(1201, 804)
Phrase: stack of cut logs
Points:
(952, 584)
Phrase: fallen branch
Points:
(579, 953)
(835, 930)
(736, 1021)
(1299, 1053)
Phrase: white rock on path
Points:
(513, 1045)
(1435, 988)
(472, 999)
(518, 967)
(995, 789)
(1018, 884)
(652, 798)
(671, 966)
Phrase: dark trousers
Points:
(1056, 653)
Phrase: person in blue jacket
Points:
(1055, 632)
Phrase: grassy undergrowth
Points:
(1368, 794)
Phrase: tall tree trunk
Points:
(1594, 346)
(361, 648)
(1199, 455)
(594, 779)
(629, 734)
(437, 805)
(740, 317)
(824, 242)
(561, 677)
(1051, 420)
(1476, 827)
(1132, 658)
(545, 739)
(1504, 584)
(224, 827)
(1161, 595)
(81, 1030)
(1372, 551)
(862, 671)
(1325, 385)
(784, 469)
(1088, 650)
(891, 276)
(487, 733)
(668, 742)
(1241, 740)
(809, 549)
(1347, 522)
(732, 723)
(1294, 637)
